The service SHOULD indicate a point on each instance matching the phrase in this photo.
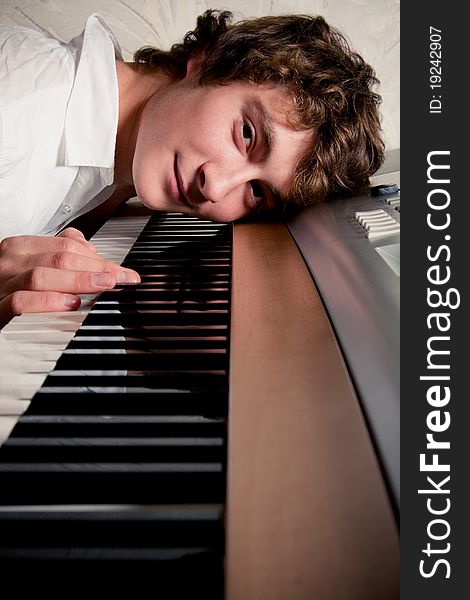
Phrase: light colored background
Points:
(372, 26)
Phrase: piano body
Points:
(227, 427)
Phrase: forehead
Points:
(274, 99)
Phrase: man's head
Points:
(321, 93)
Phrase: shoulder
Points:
(20, 45)
(31, 60)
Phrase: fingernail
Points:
(71, 301)
(102, 280)
(127, 277)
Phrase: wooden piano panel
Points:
(307, 514)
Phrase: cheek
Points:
(148, 149)
(143, 168)
(138, 163)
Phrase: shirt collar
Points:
(92, 112)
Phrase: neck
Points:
(136, 87)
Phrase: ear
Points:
(193, 65)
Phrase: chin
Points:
(149, 201)
(143, 199)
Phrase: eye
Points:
(248, 134)
(258, 194)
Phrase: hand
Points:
(46, 274)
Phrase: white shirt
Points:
(59, 107)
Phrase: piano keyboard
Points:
(31, 344)
(119, 460)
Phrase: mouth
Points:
(179, 184)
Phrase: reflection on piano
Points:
(124, 462)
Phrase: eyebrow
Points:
(267, 127)
(269, 136)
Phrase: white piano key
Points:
(36, 318)
(6, 425)
(12, 408)
(45, 325)
(24, 366)
(43, 352)
(42, 337)
(31, 344)
(27, 381)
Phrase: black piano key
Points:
(113, 526)
(198, 383)
(159, 306)
(177, 319)
(155, 331)
(169, 276)
(151, 267)
(187, 573)
(128, 403)
(135, 448)
(179, 261)
(173, 280)
(106, 426)
(91, 483)
(158, 294)
(147, 345)
(158, 360)
(196, 227)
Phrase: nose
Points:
(219, 182)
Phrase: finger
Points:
(73, 233)
(37, 244)
(76, 234)
(24, 301)
(59, 280)
(70, 261)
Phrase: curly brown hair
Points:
(329, 84)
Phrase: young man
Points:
(238, 118)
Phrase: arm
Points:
(46, 274)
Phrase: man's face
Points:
(216, 152)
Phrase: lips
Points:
(179, 184)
